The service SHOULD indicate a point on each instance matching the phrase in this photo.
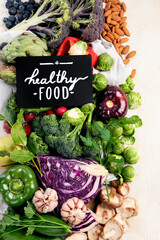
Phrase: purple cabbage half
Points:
(81, 178)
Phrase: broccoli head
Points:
(12, 104)
(36, 125)
(50, 125)
(52, 141)
(36, 145)
(65, 126)
(88, 19)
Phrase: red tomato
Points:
(49, 112)
(7, 128)
(27, 129)
(61, 110)
(29, 116)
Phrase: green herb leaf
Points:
(6, 221)
(104, 134)
(132, 120)
(20, 116)
(10, 115)
(30, 230)
(4, 153)
(21, 156)
(29, 211)
(2, 117)
(18, 134)
(86, 141)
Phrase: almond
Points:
(126, 61)
(126, 31)
(123, 40)
(123, 20)
(114, 13)
(109, 19)
(113, 29)
(133, 73)
(116, 18)
(126, 49)
(107, 13)
(110, 36)
(114, 1)
(118, 6)
(121, 48)
(113, 22)
(131, 54)
(117, 45)
(114, 6)
(124, 7)
(104, 33)
(119, 32)
(117, 25)
(114, 9)
(108, 6)
(107, 39)
(106, 27)
(114, 41)
(123, 25)
(116, 36)
(121, 13)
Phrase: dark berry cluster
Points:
(18, 11)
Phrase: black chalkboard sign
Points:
(54, 81)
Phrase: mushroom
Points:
(77, 236)
(105, 213)
(112, 231)
(122, 221)
(129, 207)
(91, 205)
(116, 199)
(94, 233)
(123, 189)
(114, 183)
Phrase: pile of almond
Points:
(116, 31)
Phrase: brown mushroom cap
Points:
(94, 233)
(123, 189)
(129, 207)
(114, 183)
(77, 236)
(122, 221)
(116, 199)
(105, 213)
(112, 230)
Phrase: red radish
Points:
(114, 103)
(7, 128)
(49, 112)
(29, 116)
(27, 129)
(61, 110)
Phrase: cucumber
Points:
(21, 234)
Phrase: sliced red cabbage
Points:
(87, 224)
(81, 178)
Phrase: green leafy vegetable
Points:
(21, 156)
(18, 134)
(2, 117)
(4, 153)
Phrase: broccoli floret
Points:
(51, 141)
(89, 152)
(88, 18)
(65, 126)
(50, 125)
(36, 145)
(12, 104)
(36, 125)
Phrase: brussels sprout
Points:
(130, 140)
(128, 129)
(128, 86)
(118, 147)
(104, 62)
(74, 116)
(131, 155)
(128, 173)
(93, 130)
(88, 108)
(115, 130)
(115, 163)
(99, 82)
(134, 100)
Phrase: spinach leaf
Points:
(21, 156)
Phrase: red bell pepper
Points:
(69, 42)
